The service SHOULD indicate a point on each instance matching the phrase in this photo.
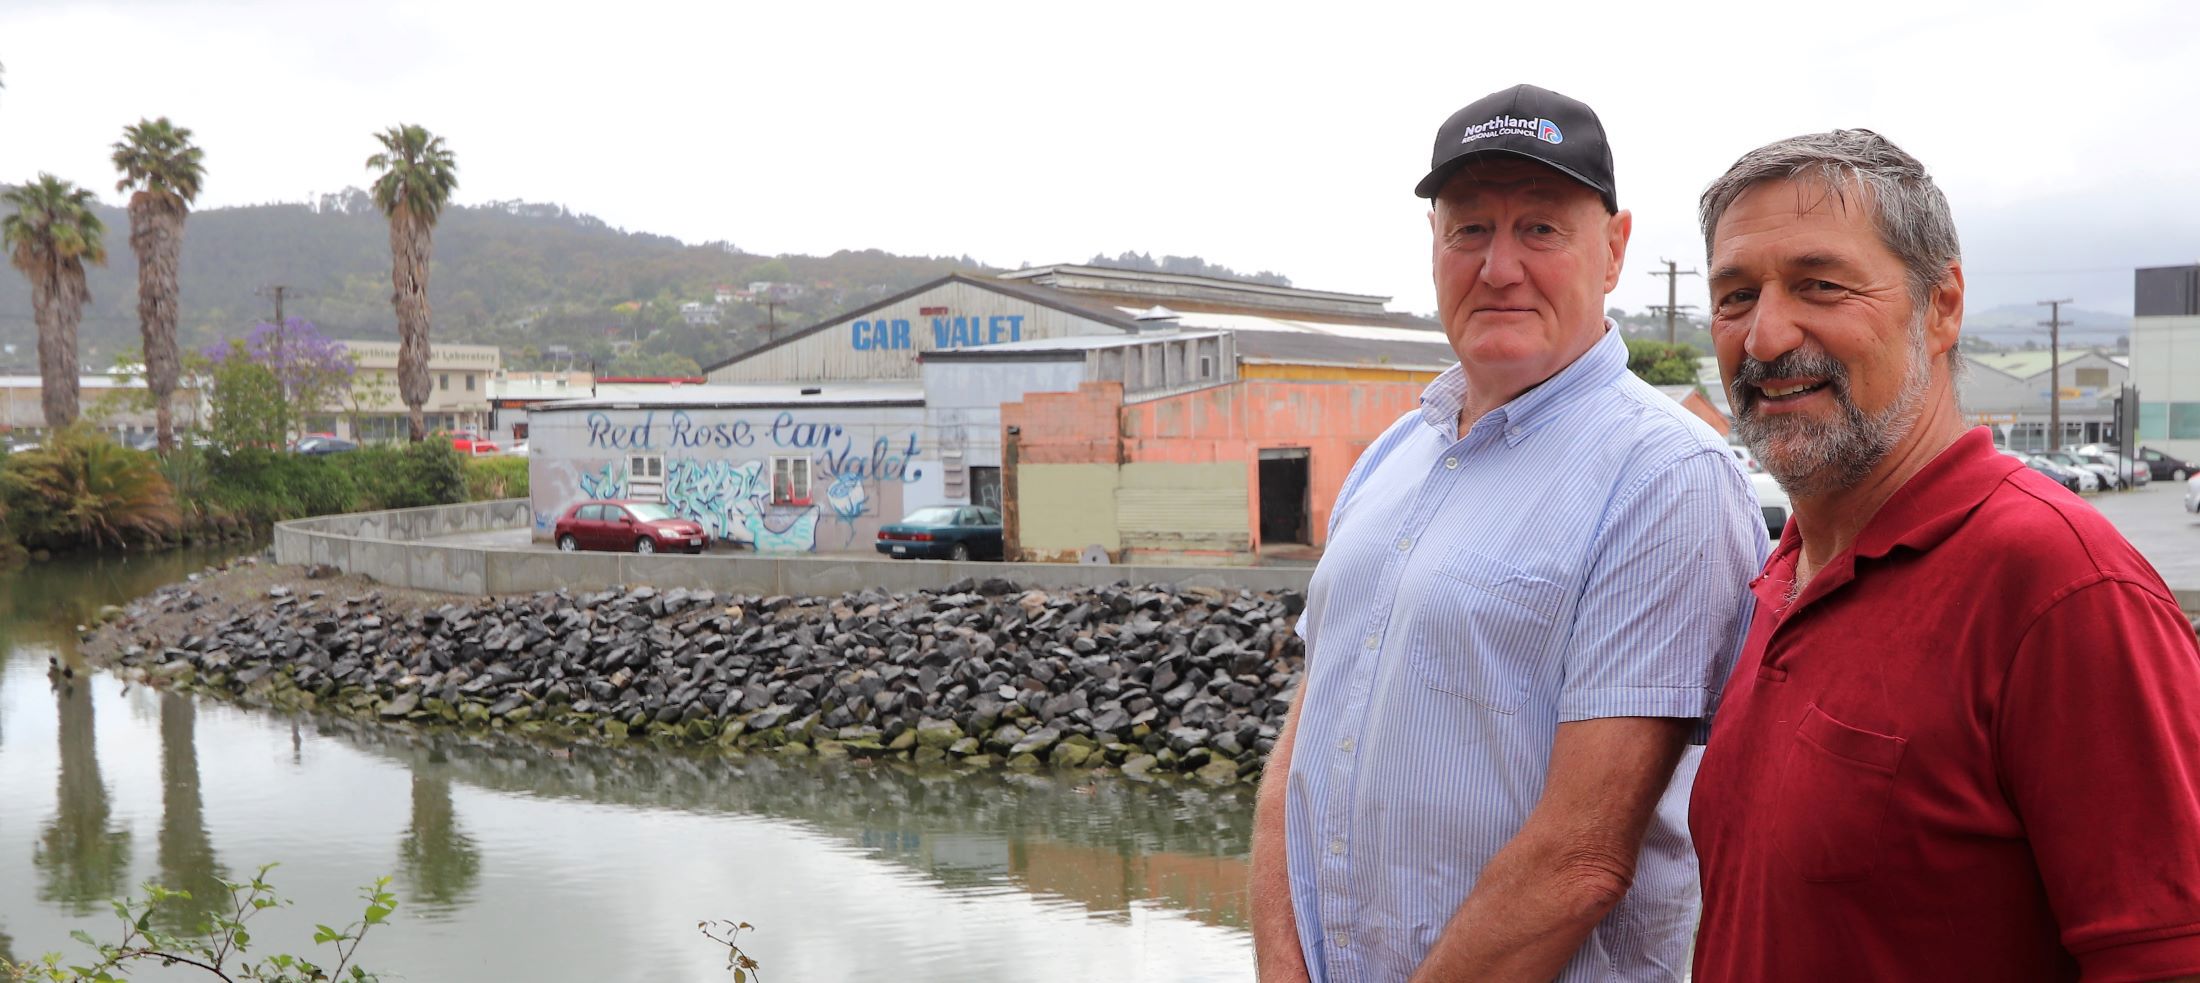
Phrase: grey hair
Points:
(1911, 214)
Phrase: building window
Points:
(790, 481)
(1206, 366)
(444, 381)
(469, 382)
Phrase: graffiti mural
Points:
(719, 470)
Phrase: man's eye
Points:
(1736, 298)
(1542, 229)
(1824, 286)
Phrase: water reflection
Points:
(1107, 844)
(441, 863)
(186, 852)
(83, 856)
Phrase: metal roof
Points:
(1290, 347)
(1075, 343)
(756, 396)
(2025, 365)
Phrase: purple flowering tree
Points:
(312, 373)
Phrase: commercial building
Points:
(2165, 358)
(2011, 392)
(458, 393)
(778, 469)
(1225, 415)
(113, 403)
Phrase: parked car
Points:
(2165, 466)
(323, 445)
(944, 532)
(2192, 493)
(469, 442)
(2070, 478)
(517, 450)
(1773, 499)
(2105, 472)
(621, 526)
(2134, 473)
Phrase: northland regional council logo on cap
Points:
(1541, 129)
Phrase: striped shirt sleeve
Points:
(1666, 600)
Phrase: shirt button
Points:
(1336, 847)
(1341, 939)
(1344, 745)
(1512, 431)
(1451, 464)
(1374, 642)
(1405, 544)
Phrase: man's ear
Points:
(1944, 322)
(1617, 228)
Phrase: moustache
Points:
(1798, 364)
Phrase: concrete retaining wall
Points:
(397, 548)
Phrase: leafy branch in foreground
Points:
(218, 947)
(723, 932)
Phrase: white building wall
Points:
(869, 465)
(2165, 365)
(883, 344)
(963, 407)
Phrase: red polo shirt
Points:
(1970, 750)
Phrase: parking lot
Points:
(2155, 520)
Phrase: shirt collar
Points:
(1921, 514)
(1445, 395)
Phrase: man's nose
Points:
(1502, 266)
(1775, 328)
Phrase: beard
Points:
(1811, 457)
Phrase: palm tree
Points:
(52, 234)
(418, 176)
(157, 159)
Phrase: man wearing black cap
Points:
(1533, 588)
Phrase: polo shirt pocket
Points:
(1484, 629)
(1834, 795)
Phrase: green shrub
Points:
(82, 489)
(268, 486)
(492, 478)
(407, 476)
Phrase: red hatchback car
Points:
(642, 527)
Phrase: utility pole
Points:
(2053, 324)
(275, 358)
(1672, 275)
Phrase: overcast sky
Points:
(1268, 135)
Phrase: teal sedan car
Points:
(944, 532)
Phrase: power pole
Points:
(2053, 324)
(1672, 274)
(275, 358)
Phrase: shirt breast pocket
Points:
(1834, 795)
(1484, 630)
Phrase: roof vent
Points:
(811, 390)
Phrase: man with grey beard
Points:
(1960, 741)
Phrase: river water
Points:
(513, 862)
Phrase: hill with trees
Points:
(526, 276)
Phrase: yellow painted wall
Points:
(1184, 507)
(1066, 507)
(1335, 373)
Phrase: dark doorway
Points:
(985, 487)
(1283, 504)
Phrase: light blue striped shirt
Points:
(1583, 551)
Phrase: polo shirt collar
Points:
(1442, 399)
(1925, 511)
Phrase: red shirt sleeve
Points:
(2099, 740)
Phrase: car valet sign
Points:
(899, 334)
(891, 456)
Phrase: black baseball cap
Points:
(1525, 121)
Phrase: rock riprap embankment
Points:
(1148, 680)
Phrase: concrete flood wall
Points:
(398, 548)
